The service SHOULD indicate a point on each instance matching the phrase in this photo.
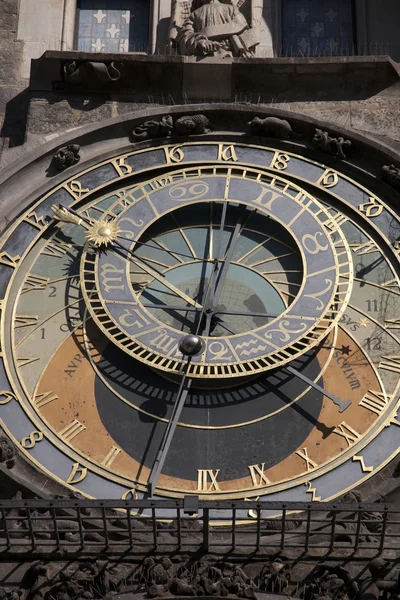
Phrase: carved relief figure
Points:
(215, 27)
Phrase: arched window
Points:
(112, 25)
(318, 28)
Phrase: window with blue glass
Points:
(317, 27)
(113, 25)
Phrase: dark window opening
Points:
(112, 26)
(318, 28)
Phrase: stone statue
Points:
(216, 27)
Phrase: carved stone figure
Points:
(203, 578)
(275, 577)
(98, 72)
(334, 146)
(186, 125)
(273, 127)
(151, 129)
(384, 581)
(192, 124)
(216, 27)
(7, 452)
(329, 582)
(391, 175)
(66, 157)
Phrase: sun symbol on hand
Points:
(102, 233)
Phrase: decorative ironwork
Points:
(41, 527)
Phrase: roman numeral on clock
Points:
(309, 462)
(347, 432)
(35, 282)
(390, 363)
(45, 398)
(111, 456)
(72, 430)
(374, 402)
(207, 480)
(258, 476)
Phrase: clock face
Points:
(287, 270)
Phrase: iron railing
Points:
(114, 527)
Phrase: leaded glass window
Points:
(113, 25)
(317, 27)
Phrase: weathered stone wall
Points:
(10, 61)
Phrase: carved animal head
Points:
(66, 157)
(256, 123)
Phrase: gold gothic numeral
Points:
(72, 430)
(121, 167)
(371, 209)
(207, 480)
(6, 397)
(174, 154)
(347, 432)
(111, 456)
(78, 473)
(390, 363)
(75, 189)
(310, 464)
(38, 222)
(35, 282)
(41, 400)
(312, 490)
(258, 476)
(130, 495)
(328, 179)
(56, 248)
(25, 321)
(31, 440)
(280, 161)
(364, 468)
(227, 153)
(374, 401)
(8, 260)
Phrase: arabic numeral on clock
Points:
(43, 331)
(373, 344)
(372, 305)
(53, 292)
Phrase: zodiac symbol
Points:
(219, 350)
(259, 348)
(188, 190)
(285, 331)
(316, 296)
(127, 232)
(318, 247)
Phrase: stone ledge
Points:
(286, 79)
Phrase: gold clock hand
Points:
(162, 279)
(66, 215)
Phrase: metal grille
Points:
(138, 526)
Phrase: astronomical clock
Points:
(246, 294)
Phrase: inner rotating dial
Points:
(264, 274)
